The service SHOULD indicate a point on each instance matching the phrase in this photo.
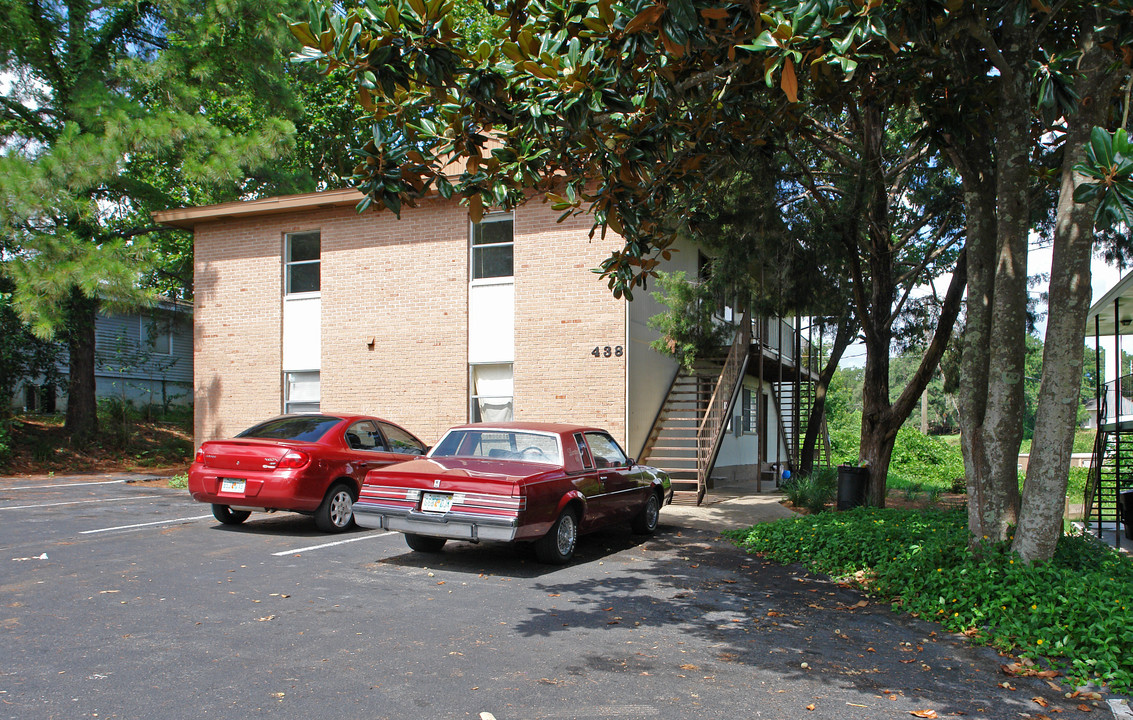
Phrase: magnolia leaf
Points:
(302, 31)
(645, 19)
(789, 83)
(714, 13)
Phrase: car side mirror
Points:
(631, 462)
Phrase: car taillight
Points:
(200, 458)
(294, 459)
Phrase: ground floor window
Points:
(301, 391)
(491, 389)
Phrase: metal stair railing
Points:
(1093, 478)
(711, 430)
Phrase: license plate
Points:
(231, 486)
(432, 502)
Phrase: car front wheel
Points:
(557, 546)
(645, 522)
(336, 513)
(228, 516)
(424, 543)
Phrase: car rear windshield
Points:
(308, 428)
(500, 445)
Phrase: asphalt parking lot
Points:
(127, 601)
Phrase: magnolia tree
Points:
(622, 109)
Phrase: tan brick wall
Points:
(404, 285)
(236, 326)
(562, 312)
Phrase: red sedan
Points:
(311, 464)
(537, 482)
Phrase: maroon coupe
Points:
(539, 482)
(312, 464)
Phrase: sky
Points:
(1103, 277)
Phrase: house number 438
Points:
(607, 351)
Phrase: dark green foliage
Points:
(1075, 610)
(688, 330)
(926, 459)
(5, 440)
(23, 356)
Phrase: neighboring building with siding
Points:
(145, 358)
(303, 304)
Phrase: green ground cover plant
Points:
(1076, 611)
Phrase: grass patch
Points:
(1075, 611)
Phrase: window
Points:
(157, 335)
(301, 392)
(606, 452)
(402, 442)
(304, 429)
(491, 387)
(500, 445)
(583, 452)
(302, 263)
(364, 435)
(492, 242)
(749, 407)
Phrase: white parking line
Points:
(332, 544)
(77, 502)
(146, 524)
(59, 485)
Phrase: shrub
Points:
(6, 448)
(812, 491)
(1075, 610)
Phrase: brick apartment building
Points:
(303, 304)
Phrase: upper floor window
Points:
(301, 274)
(492, 242)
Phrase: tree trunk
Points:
(81, 423)
(818, 410)
(991, 380)
(1044, 493)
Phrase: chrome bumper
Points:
(455, 526)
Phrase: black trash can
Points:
(853, 482)
(1125, 509)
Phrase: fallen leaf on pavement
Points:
(1017, 670)
(1085, 708)
(1039, 701)
(810, 707)
(924, 713)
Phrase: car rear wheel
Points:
(424, 543)
(336, 513)
(645, 522)
(557, 546)
(228, 516)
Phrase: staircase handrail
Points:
(1093, 477)
(709, 434)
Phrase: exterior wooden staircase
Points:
(686, 434)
